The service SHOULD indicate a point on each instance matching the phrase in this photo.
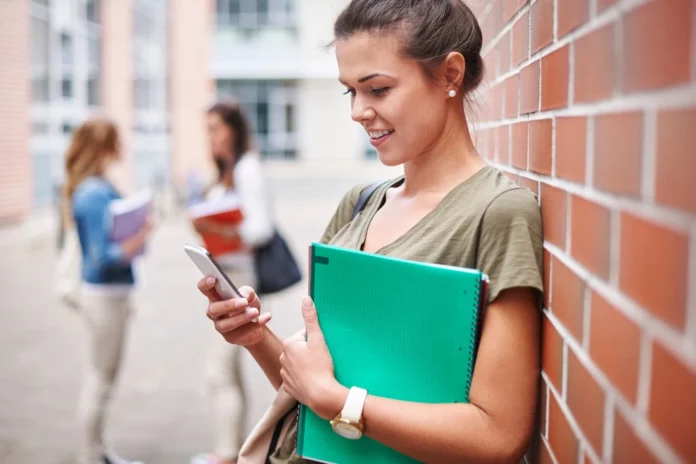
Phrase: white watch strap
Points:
(353, 408)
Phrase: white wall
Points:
(325, 129)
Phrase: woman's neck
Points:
(450, 162)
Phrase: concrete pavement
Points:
(160, 411)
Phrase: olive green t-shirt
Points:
(487, 222)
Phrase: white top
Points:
(256, 229)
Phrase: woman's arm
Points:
(495, 426)
(267, 355)
(232, 320)
(256, 228)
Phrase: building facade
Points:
(154, 66)
(272, 55)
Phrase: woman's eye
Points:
(380, 91)
(349, 91)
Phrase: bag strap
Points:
(364, 198)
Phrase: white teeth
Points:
(376, 135)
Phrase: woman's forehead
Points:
(364, 54)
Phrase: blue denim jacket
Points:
(103, 261)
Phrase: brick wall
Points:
(15, 104)
(592, 104)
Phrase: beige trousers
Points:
(106, 317)
(225, 383)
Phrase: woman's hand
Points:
(233, 318)
(307, 369)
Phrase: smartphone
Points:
(209, 267)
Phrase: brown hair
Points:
(430, 29)
(230, 111)
(92, 142)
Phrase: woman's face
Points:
(400, 107)
(221, 137)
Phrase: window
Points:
(67, 54)
(93, 11)
(270, 108)
(93, 69)
(252, 16)
(40, 59)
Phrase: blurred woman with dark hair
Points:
(240, 173)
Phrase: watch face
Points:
(348, 431)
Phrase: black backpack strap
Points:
(364, 198)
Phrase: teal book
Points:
(401, 329)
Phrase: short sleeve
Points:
(344, 213)
(511, 243)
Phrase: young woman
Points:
(407, 65)
(107, 276)
(240, 173)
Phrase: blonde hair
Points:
(92, 143)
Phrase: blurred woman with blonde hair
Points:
(106, 274)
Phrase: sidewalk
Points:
(161, 413)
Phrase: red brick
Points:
(512, 95)
(529, 88)
(520, 40)
(493, 22)
(590, 235)
(494, 107)
(553, 212)
(571, 148)
(586, 401)
(504, 54)
(512, 176)
(547, 277)
(618, 153)
(555, 68)
(490, 61)
(564, 443)
(542, 24)
(676, 163)
(615, 346)
(520, 142)
(510, 8)
(595, 65)
(673, 402)
(604, 4)
(503, 134)
(627, 446)
(654, 268)
(572, 14)
(662, 59)
(552, 354)
(540, 144)
(567, 298)
(532, 185)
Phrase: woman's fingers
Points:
(232, 322)
(207, 287)
(250, 295)
(231, 307)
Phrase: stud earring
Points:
(452, 93)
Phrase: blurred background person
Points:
(107, 277)
(240, 174)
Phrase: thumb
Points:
(311, 320)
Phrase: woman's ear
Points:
(453, 69)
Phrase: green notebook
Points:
(400, 329)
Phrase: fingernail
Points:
(242, 303)
(251, 313)
(210, 280)
(307, 302)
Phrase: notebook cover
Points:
(390, 331)
(224, 211)
(128, 216)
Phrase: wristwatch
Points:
(349, 422)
